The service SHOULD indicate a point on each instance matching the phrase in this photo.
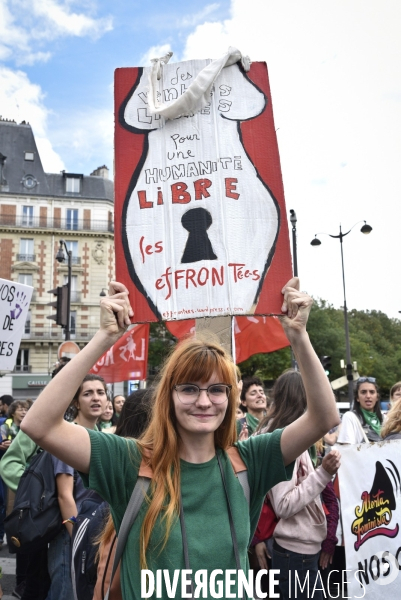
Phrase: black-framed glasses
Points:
(366, 379)
(188, 393)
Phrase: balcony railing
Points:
(57, 334)
(27, 257)
(56, 223)
(76, 260)
(22, 368)
(75, 296)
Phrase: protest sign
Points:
(252, 335)
(370, 484)
(15, 299)
(201, 227)
(127, 359)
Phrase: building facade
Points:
(37, 210)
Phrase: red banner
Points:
(253, 335)
(257, 334)
(127, 359)
(181, 328)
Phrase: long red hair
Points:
(194, 360)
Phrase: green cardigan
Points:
(16, 459)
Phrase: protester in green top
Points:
(193, 420)
(31, 569)
(17, 459)
(365, 417)
(253, 403)
(108, 419)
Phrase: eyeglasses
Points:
(188, 393)
(366, 379)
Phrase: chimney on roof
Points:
(101, 172)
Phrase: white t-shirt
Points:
(351, 430)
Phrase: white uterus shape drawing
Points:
(199, 225)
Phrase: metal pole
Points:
(293, 219)
(347, 342)
(67, 327)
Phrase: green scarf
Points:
(372, 420)
(252, 423)
(105, 425)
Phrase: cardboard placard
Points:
(252, 335)
(201, 227)
(15, 299)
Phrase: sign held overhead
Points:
(201, 227)
(15, 299)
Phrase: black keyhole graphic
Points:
(198, 247)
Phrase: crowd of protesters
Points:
(183, 431)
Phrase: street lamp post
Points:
(293, 219)
(316, 242)
(60, 257)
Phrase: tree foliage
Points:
(375, 345)
(375, 342)
(160, 344)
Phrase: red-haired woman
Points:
(192, 426)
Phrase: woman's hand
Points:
(325, 560)
(262, 555)
(244, 434)
(115, 310)
(331, 462)
(297, 307)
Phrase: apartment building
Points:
(37, 210)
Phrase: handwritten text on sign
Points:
(199, 225)
(370, 484)
(15, 299)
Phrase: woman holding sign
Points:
(192, 427)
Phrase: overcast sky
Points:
(335, 78)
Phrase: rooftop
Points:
(22, 173)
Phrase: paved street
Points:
(7, 563)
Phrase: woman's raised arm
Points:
(44, 423)
(321, 413)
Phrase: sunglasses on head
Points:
(366, 379)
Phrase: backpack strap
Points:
(241, 471)
(132, 510)
(145, 475)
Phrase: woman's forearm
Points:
(65, 496)
(321, 405)
(48, 410)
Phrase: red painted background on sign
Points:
(260, 142)
(252, 335)
(127, 359)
